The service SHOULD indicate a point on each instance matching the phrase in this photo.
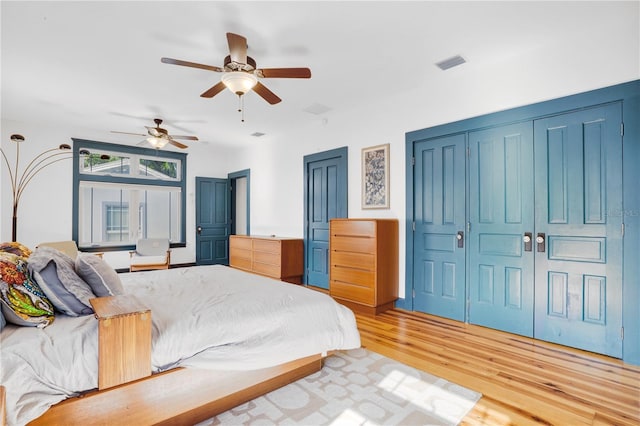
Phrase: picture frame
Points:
(375, 177)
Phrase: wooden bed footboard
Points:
(176, 397)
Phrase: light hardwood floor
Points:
(523, 381)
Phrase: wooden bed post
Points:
(124, 340)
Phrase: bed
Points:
(205, 318)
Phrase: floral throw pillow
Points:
(23, 302)
(15, 248)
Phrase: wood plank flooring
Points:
(523, 381)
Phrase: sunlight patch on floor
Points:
(430, 397)
(352, 418)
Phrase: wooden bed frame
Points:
(176, 397)
(129, 393)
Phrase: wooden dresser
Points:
(363, 263)
(280, 258)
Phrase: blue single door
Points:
(439, 212)
(326, 198)
(212, 221)
(578, 167)
(501, 215)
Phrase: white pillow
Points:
(101, 277)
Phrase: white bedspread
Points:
(211, 317)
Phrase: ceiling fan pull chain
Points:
(241, 107)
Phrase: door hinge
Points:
(621, 333)
(413, 161)
(413, 293)
(621, 129)
(622, 229)
(468, 152)
(468, 227)
(413, 226)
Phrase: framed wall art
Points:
(375, 177)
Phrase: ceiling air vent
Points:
(451, 62)
(257, 134)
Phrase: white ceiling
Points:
(96, 65)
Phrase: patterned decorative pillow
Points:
(15, 248)
(101, 277)
(23, 302)
(55, 273)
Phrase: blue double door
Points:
(513, 230)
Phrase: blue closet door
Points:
(501, 214)
(578, 158)
(439, 261)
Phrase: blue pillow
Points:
(55, 274)
(101, 277)
(3, 321)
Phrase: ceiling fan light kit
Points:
(239, 82)
(157, 143)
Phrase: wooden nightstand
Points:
(124, 339)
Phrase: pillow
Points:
(22, 301)
(15, 248)
(55, 273)
(101, 277)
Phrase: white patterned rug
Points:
(358, 387)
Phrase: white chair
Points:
(150, 253)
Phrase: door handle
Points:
(199, 229)
(540, 240)
(528, 242)
(460, 238)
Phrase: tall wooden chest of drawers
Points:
(280, 258)
(363, 263)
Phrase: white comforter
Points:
(211, 317)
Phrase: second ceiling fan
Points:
(241, 73)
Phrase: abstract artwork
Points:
(375, 177)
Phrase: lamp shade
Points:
(239, 82)
(157, 142)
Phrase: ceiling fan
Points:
(158, 137)
(241, 73)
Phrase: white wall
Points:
(276, 161)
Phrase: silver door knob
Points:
(459, 237)
(539, 239)
(526, 239)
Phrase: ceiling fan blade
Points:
(284, 72)
(188, 138)
(127, 133)
(178, 144)
(191, 64)
(237, 48)
(214, 90)
(266, 94)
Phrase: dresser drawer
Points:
(266, 269)
(240, 242)
(355, 293)
(271, 246)
(240, 253)
(352, 244)
(266, 257)
(365, 228)
(364, 261)
(355, 276)
(239, 262)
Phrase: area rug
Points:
(358, 387)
